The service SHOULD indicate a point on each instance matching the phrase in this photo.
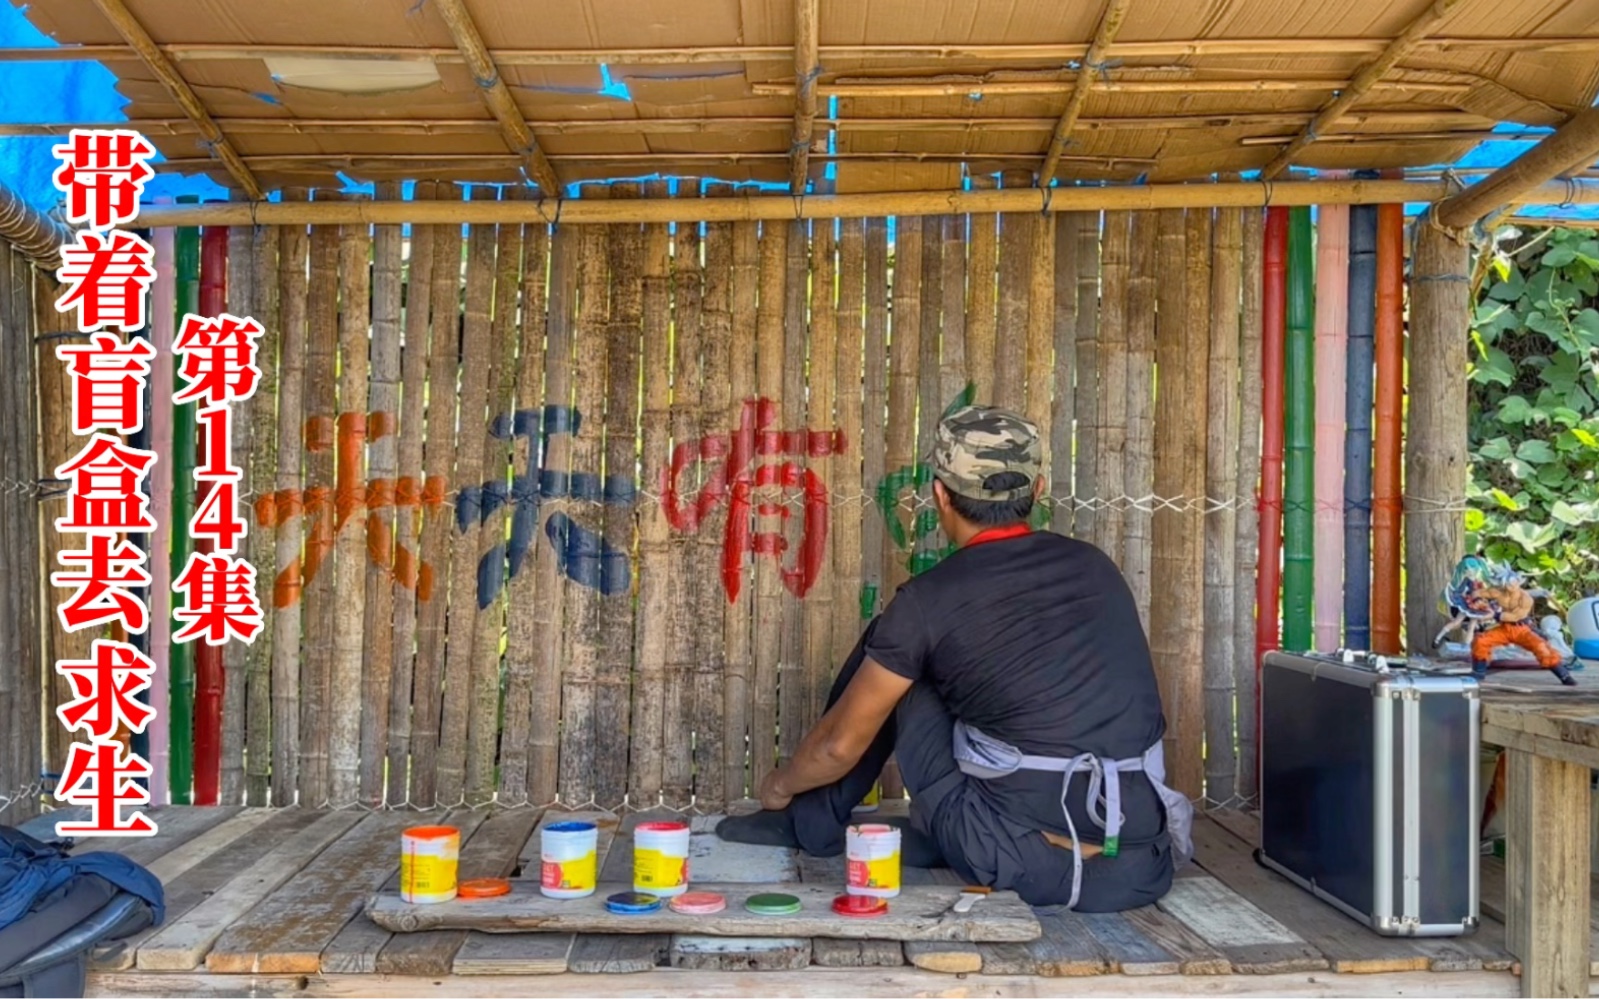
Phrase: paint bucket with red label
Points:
(873, 852)
(429, 856)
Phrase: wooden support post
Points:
(806, 39)
(981, 274)
(1247, 529)
(739, 747)
(518, 137)
(161, 65)
(1362, 83)
(1087, 488)
(1062, 430)
(681, 641)
(1138, 480)
(1435, 452)
(874, 455)
(1093, 62)
(853, 506)
(793, 694)
(1546, 874)
(235, 655)
(263, 462)
(1010, 348)
(717, 406)
(1220, 517)
(1112, 366)
(823, 368)
(767, 633)
(904, 353)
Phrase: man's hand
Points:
(773, 797)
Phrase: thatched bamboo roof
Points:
(910, 94)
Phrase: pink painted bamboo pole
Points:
(1332, 336)
(163, 304)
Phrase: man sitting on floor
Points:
(1013, 682)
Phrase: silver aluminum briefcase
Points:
(1368, 792)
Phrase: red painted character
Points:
(218, 515)
(104, 488)
(106, 277)
(103, 174)
(105, 586)
(104, 777)
(218, 359)
(104, 688)
(738, 477)
(108, 382)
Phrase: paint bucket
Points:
(873, 798)
(429, 856)
(873, 852)
(567, 855)
(660, 858)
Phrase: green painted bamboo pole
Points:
(183, 498)
(1299, 464)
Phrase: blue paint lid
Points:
(570, 827)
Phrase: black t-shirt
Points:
(1034, 640)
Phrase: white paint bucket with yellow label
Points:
(429, 857)
(873, 852)
(568, 855)
(660, 858)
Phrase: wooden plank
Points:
(1126, 946)
(697, 953)
(920, 913)
(183, 943)
(1547, 868)
(514, 954)
(176, 825)
(1252, 940)
(175, 863)
(206, 879)
(828, 952)
(1066, 949)
(951, 957)
(1007, 959)
(1194, 955)
(288, 931)
(882, 984)
(617, 953)
(492, 852)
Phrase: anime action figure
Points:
(1491, 607)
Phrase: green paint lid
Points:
(773, 904)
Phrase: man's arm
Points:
(841, 737)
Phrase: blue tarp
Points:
(85, 91)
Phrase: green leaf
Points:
(1559, 256)
(1575, 516)
(1552, 475)
(1495, 368)
(1521, 470)
(1531, 536)
(1585, 438)
(1586, 323)
(1514, 410)
(1565, 416)
(1476, 520)
(1536, 452)
(1497, 449)
(1540, 323)
(1505, 500)
(1510, 289)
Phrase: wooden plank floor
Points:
(261, 895)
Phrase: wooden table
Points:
(1552, 739)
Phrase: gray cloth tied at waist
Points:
(985, 757)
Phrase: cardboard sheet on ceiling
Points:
(864, 178)
(556, 24)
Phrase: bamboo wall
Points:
(592, 512)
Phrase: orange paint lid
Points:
(484, 888)
(431, 832)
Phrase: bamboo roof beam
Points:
(1363, 82)
(518, 136)
(141, 43)
(1110, 22)
(806, 68)
(423, 161)
(36, 234)
(656, 56)
(584, 211)
(935, 87)
(1572, 146)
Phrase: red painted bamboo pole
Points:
(1387, 503)
(208, 658)
(1274, 325)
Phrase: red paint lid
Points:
(698, 903)
(860, 906)
(661, 827)
(483, 888)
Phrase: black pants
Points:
(982, 845)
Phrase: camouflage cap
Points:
(975, 442)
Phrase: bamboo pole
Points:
(819, 538)
(209, 682)
(347, 677)
(716, 406)
(1177, 612)
(1273, 349)
(488, 637)
(1299, 483)
(806, 42)
(1362, 83)
(1062, 435)
(377, 677)
(583, 608)
(1221, 519)
(768, 625)
(496, 95)
(1138, 481)
(619, 493)
(1573, 146)
(793, 695)
(1357, 434)
(1189, 767)
(952, 373)
(738, 622)
(181, 677)
(1040, 330)
(263, 465)
(1332, 339)
(1010, 349)
(240, 297)
(1387, 508)
(590, 211)
(1247, 526)
(407, 493)
(904, 351)
(682, 643)
(527, 551)
(1435, 449)
(1087, 486)
(981, 319)
(463, 675)
(21, 678)
(321, 602)
(874, 458)
(552, 564)
(438, 525)
(35, 235)
(969, 85)
(927, 540)
(288, 513)
(178, 89)
(1110, 460)
(852, 506)
(1093, 62)
(655, 580)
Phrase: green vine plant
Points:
(1533, 495)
